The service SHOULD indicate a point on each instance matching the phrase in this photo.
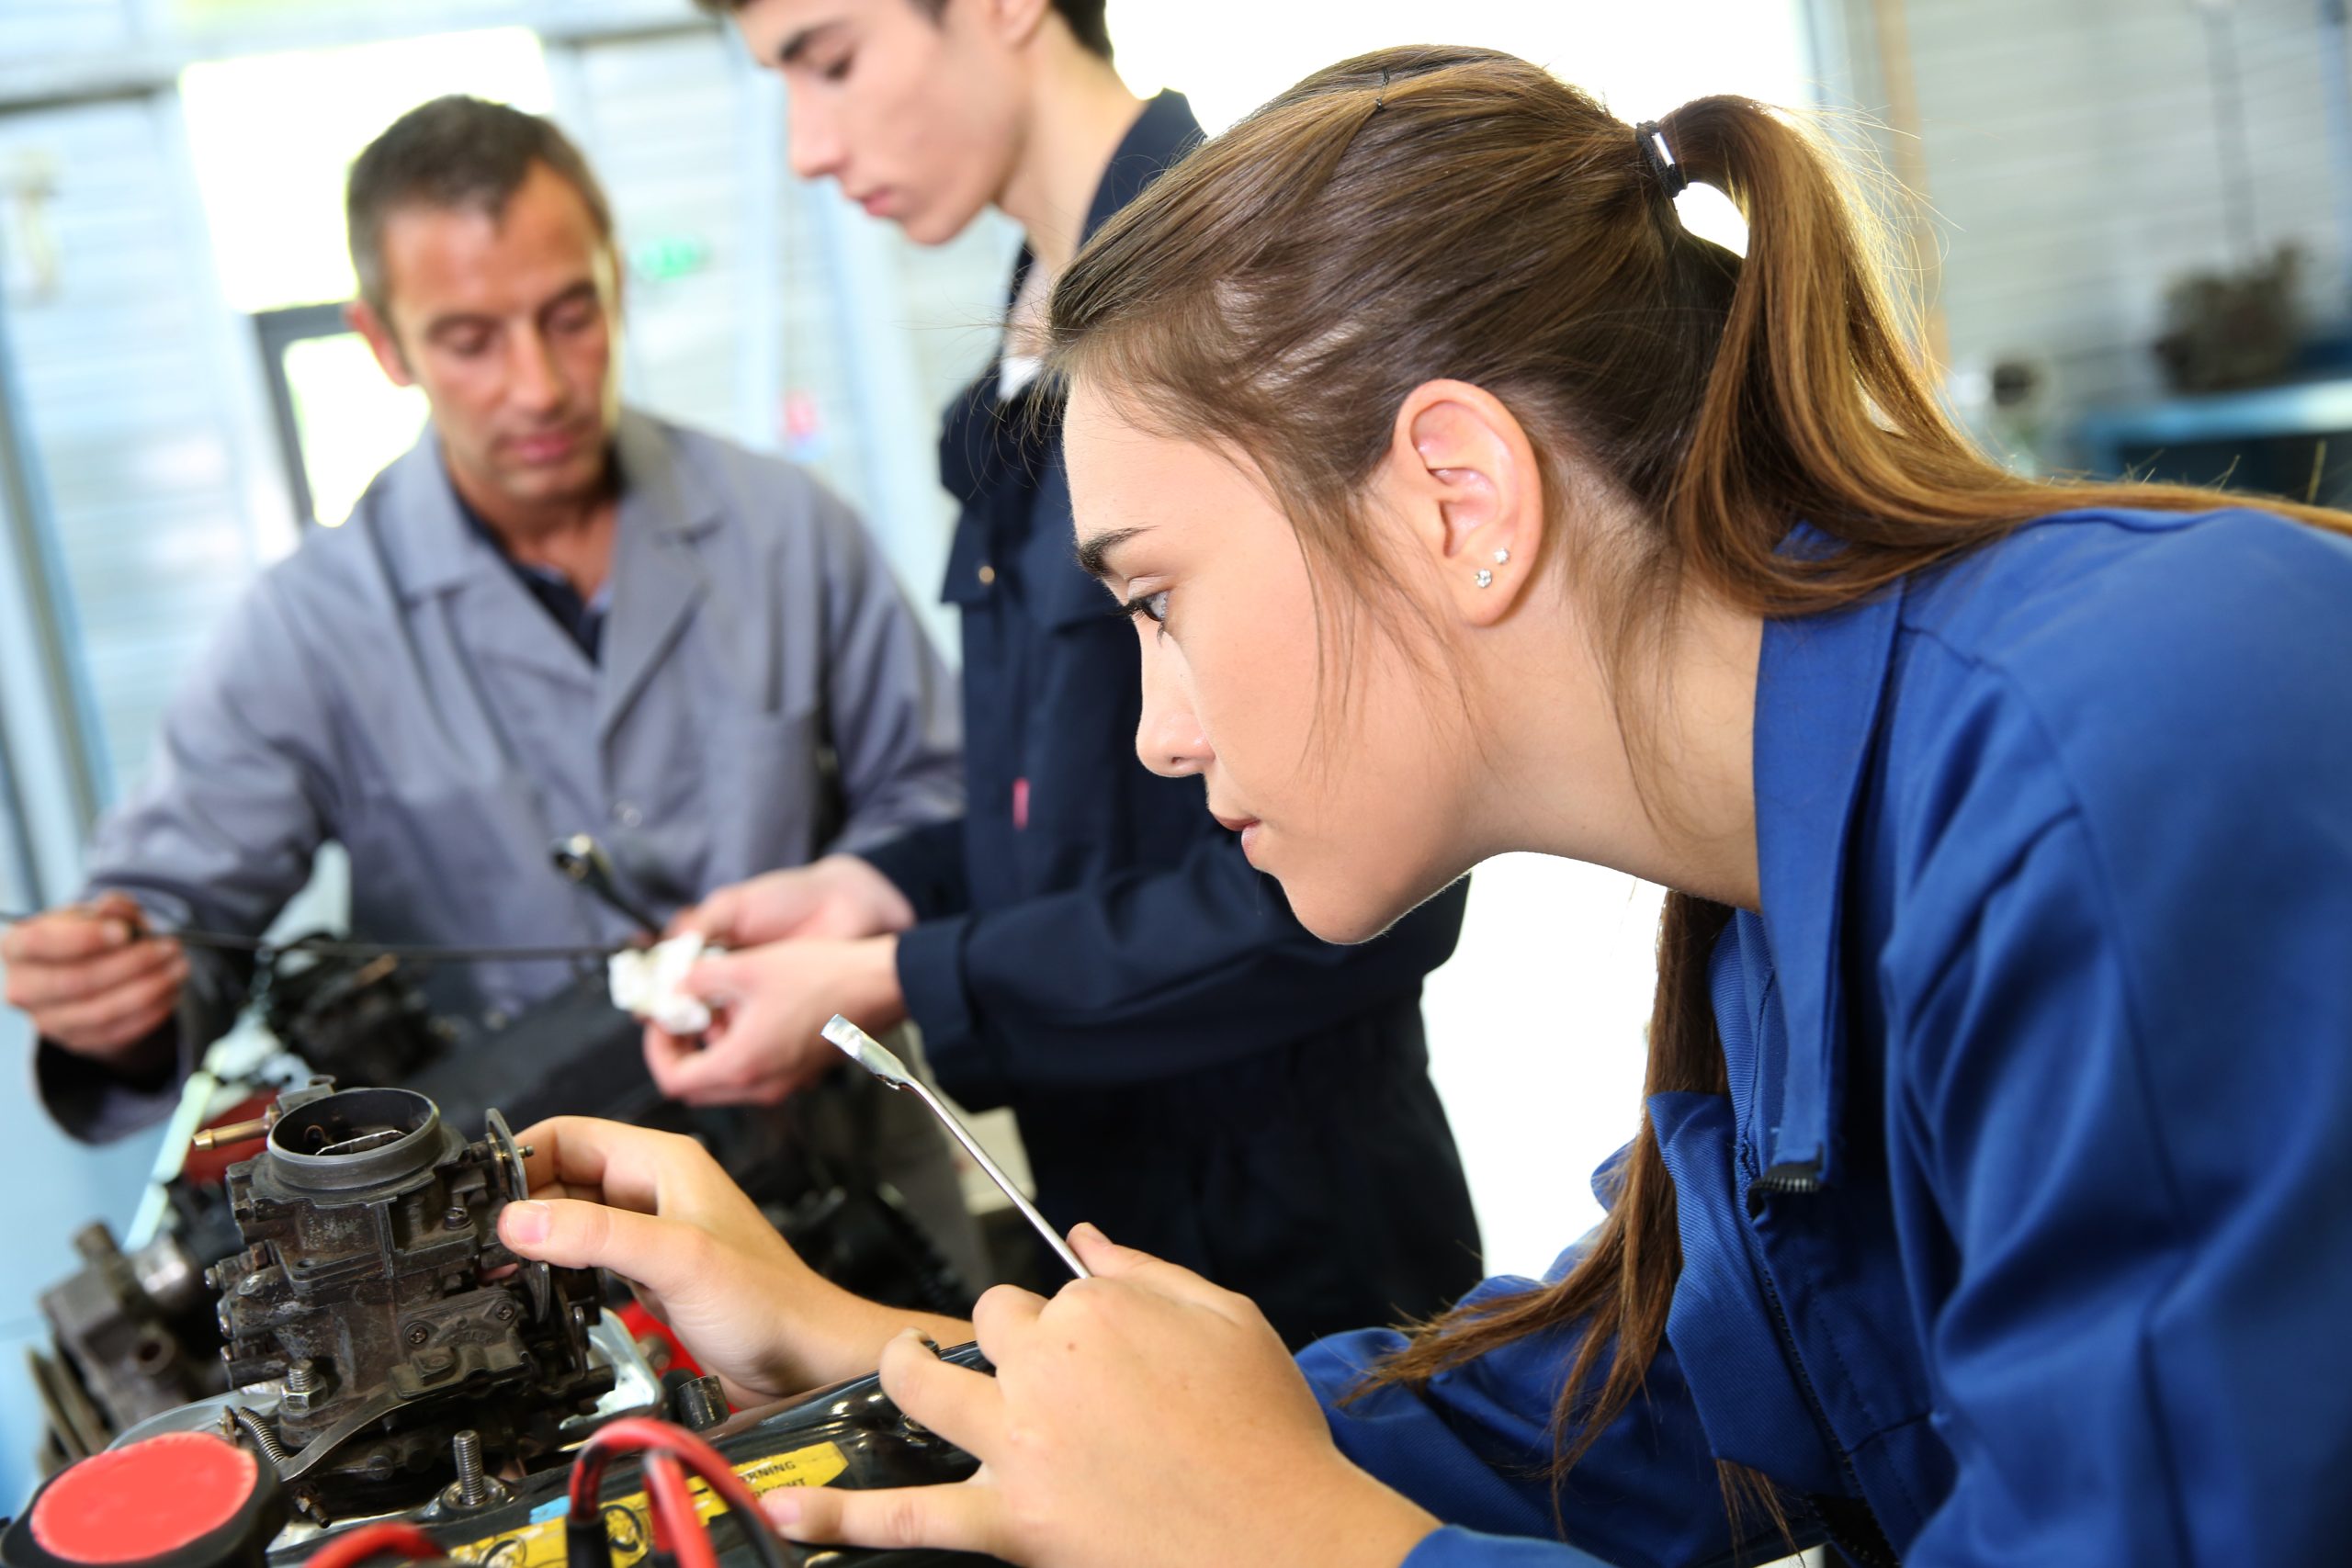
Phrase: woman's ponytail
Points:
(1814, 407)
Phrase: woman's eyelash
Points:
(1151, 607)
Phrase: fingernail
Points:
(783, 1507)
(117, 932)
(927, 1342)
(1086, 1230)
(524, 1221)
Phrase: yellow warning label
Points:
(539, 1544)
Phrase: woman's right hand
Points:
(657, 1210)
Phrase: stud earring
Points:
(1485, 578)
(1502, 558)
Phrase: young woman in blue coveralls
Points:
(1992, 1203)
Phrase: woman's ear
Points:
(1465, 474)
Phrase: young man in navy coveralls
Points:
(1191, 1070)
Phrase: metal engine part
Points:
(358, 1020)
(133, 1331)
(373, 1290)
(850, 1435)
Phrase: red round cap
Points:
(148, 1500)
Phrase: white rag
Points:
(645, 982)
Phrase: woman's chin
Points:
(1344, 917)
(1347, 910)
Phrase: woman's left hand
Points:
(1142, 1416)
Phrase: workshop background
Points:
(2134, 234)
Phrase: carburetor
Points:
(373, 1289)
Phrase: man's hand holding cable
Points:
(656, 1208)
(1143, 1416)
(91, 979)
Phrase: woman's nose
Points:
(1169, 739)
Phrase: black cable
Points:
(229, 941)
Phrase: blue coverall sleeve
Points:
(220, 834)
(1183, 968)
(1475, 1448)
(2120, 1009)
(927, 866)
(889, 700)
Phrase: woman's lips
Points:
(1246, 826)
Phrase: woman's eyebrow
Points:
(1092, 553)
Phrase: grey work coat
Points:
(764, 695)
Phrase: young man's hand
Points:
(768, 1007)
(840, 895)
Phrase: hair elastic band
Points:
(1660, 159)
(1382, 101)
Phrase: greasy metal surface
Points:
(352, 1139)
(373, 1292)
(123, 1320)
(850, 1435)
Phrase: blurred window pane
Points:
(274, 135)
(340, 420)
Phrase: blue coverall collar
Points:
(1820, 686)
(657, 577)
(430, 549)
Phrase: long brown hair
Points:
(1427, 213)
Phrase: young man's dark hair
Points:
(1085, 18)
(454, 152)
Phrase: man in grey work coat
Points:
(551, 616)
